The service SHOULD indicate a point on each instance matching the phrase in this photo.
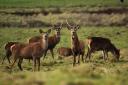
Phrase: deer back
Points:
(35, 39)
(98, 43)
(64, 51)
(31, 49)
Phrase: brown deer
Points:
(30, 51)
(77, 46)
(8, 51)
(101, 44)
(64, 52)
(52, 40)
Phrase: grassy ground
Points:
(61, 72)
(60, 3)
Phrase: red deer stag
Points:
(52, 40)
(64, 51)
(101, 44)
(77, 46)
(8, 51)
(30, 51)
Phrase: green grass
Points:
(61, 72)
(60, 3)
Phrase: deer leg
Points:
(3, 59)
(8, 54)
(19, 63)
(78, 59)
(8, 60)
(104, 55)
(51, 50)
(82, 57)
(45, 54)
(13, 63)
(87, 55)
(38, 61)
(34, 64)
(74, 62)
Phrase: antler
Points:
(75, 26)
(69, 26)
(58, 25)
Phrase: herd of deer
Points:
(39, 45)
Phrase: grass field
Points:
(60, 3)
(61, 72)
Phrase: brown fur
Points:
(52, 40)
(64, 52)
(30, 51)
(8, 51)
(101, 44)
(77, 46)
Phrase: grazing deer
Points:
(52, 40)
(64, 51)
(30, 51)
(101, 44)
(8, 51)
(77, 46)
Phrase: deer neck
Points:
(57, 36)
(44, 44)
(75, 42)
(113, 49)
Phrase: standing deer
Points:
(8, 51)
(77, 46)
(52, 40)
(101, 44)
(30, 51)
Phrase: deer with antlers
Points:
(33, 51)
(101, 44)
(77, 46)
(52, 40)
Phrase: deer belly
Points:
(26, 54)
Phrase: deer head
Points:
(45, 34)
(117, 54)
(72, 28)
(57, 27)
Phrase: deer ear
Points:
(41, 31)
(49, 31)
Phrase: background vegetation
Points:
(61, 72)
(20, 20)
(59, 3)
